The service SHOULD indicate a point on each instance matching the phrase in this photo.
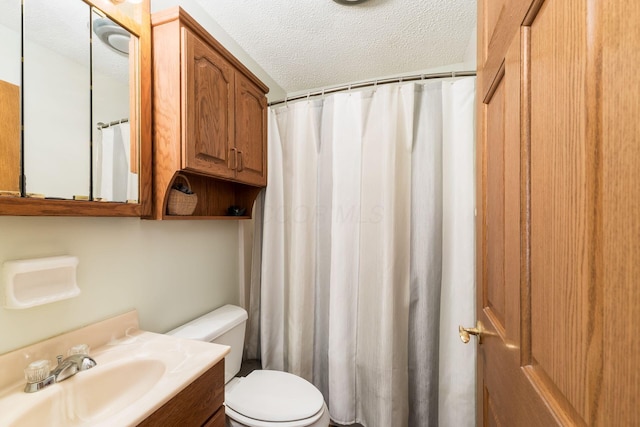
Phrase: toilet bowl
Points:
(264, 398)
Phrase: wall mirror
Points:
(73, 75)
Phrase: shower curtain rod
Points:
(370, 83)
(101, 125)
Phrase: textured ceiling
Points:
(305, 44)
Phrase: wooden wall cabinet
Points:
(210, 119)
(199, 404)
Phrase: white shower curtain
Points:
(366, 236)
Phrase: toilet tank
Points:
(224, 325)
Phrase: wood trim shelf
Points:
(191, 217)
(214, 197)
(24, 206)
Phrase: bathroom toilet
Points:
(263, 398)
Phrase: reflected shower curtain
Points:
(112, 177)
(364, 252)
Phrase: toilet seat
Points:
(250, 422)
(267, 398)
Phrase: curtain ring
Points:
(286, 101)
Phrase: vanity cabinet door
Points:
(251, 132)
(209, 109)
(199, 404)
(218, 420)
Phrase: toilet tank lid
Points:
(211, 325)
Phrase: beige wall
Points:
(170, 271)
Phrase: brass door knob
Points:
(465, 333)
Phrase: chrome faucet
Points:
(66, 368)
(72, 365)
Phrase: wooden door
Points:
(558, 220)
(251, 132)
(208, 109)
(9, 139)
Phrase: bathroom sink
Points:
(93, 396)
(137, 372)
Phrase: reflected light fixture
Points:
(112, 34)
(347, 2)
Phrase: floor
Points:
(249, 366)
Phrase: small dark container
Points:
(236, 210)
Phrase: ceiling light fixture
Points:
(349, 2)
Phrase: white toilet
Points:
(263, 398)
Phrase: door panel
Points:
(512, 399)
(490, 416)
(209, 109)
(561, 202)
(498, 21)
(9, 138)
(495, 205)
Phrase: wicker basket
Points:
(180, 203)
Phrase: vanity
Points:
(141, 378)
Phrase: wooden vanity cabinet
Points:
(210, 119)
(200, 404)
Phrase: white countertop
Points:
(137, 372)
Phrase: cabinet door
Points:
(208, 107)
(251, 132)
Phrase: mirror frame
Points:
(24, 206)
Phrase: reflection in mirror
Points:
(10, 54)
(115, 148)
(57, 98)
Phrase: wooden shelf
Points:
(191, 217)
(214, 197)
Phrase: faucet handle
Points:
(59, 358)
(37, 371)
(78, 349)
